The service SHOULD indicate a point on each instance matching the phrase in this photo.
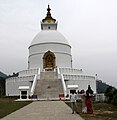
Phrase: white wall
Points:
(44, 47)
(12, 84)
(76, 77)
(62, 53)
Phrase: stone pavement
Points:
(44, 110)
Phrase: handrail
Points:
(64, 86)
(37, 76)
(60, 76)
(58, 72)
(33, 85)
(38, 73)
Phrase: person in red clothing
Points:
(88, 103)
(88, 100)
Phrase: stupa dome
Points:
(49, 36)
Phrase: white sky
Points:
(90, 26)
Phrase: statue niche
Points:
(49, 60)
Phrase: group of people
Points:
(86, 98)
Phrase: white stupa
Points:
(49, 39)
(50, 71)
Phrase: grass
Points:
(101, 111)
(8, 105)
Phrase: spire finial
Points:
(48, 11)
(48, 17)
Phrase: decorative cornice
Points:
(49, 43)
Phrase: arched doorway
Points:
(49, 60)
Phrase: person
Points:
(83, 96)
(88, 100)
(73, 98)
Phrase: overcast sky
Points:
(90, 26)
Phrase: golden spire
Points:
(48, 17)
(48, 11)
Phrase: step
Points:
(51, 88)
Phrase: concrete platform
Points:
(44, 110)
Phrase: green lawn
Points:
(102, 111)
(8, 105)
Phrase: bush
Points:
(111, 95)
(115, 97)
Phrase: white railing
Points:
(78, 77)
(64, 86)
(28, 72)
(37, 76)
(70, 71)
(17, 79)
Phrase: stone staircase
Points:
(48, 86)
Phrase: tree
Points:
(109, 94)
(115, 97)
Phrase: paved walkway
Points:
(44, 110)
